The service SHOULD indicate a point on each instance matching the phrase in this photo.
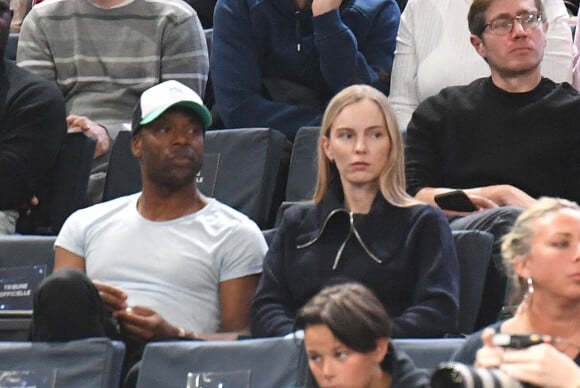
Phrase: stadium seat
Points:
(271, 362)
(24, 260)
(244, 168)
(474, 254)
(429, 353)
(88, 363)
(303, 170)
(11, 46)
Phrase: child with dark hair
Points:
(347, 339)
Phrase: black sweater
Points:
(32, 129)
(480, 135)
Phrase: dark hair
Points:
(351, 312)
(476, 16)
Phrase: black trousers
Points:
(498, 222)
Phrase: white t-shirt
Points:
(173, 267)
(433, 51)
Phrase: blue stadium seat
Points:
(88, 363)
(272, 362)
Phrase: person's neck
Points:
(161, 204)
(555, 318)
(359, 199)
(381, 380)
(106, 4)
(519, 83)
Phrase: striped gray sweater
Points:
(103, 59)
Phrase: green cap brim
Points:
(203, 113)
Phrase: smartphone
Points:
(455, 200)
(517, 341)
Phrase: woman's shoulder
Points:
(422, 212)
(466, 354)
(296, 211)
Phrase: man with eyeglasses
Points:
(32, 129)
(504, 140)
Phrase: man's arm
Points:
(483, 198)
(403, 96)
(66, 259)
(33, 51)
(113, 298)
(185, 56)
(367, 61)
(237, 76)
(235, 298)
(33, 130)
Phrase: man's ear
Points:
(477, 43)
(136, 145)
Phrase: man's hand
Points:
(503, 195)
(480, 202)
(144, 324)
(83, 124)
(320, 7)
(114, 299)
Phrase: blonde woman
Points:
(542, 254)
(364, 227)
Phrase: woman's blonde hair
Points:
(392, 179)
(516, 244)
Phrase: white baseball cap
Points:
(157, 99)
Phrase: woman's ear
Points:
(325, 145)
(521, 267)
(381, 350)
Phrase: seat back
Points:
(474, 254)
(123, 171)
(88, 363)
(243, 168)
(251, 173)
(303, 170)
(428, 353)
(24, 260)
(71, 178)
(68, 190)
(272, 362)
(11, 46)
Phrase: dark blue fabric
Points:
(258, 39)
(417, 281)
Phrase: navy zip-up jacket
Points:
(405, 255)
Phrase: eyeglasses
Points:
(503, 25)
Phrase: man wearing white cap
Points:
(167, 262)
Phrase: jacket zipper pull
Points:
(298, 37)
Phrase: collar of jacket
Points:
(369, 230)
